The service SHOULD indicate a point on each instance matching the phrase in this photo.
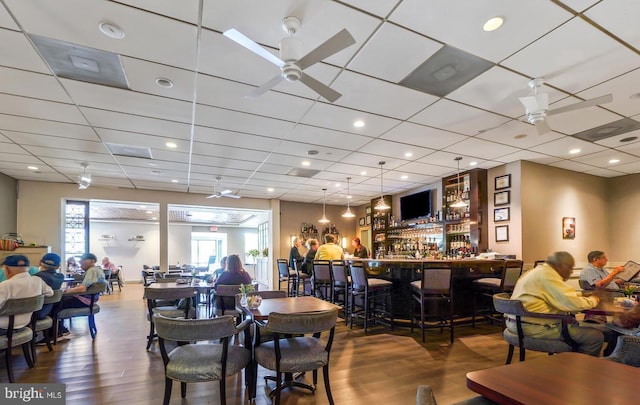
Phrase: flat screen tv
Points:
(415, 205)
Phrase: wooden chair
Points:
(164, 301)
(373, 293)
(198, 362)
(20, 336)
(68, 313)
(297, 348)
(486, 287)
(322, 280)
(507, 306)
(45, 325)
(433, 286)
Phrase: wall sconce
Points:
(344, 243)
(293, 240)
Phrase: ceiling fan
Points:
(223, 193)
(291, 62)
(537, 106)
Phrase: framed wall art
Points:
(501, 214)
(361, 221)
(502, 182)
(568, 228)
(501, 198)
(367, 210)
(502, 233)
(368, 220)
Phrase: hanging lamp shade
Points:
(324, 219)
(381, 205)
(459, 202)
(348, 213)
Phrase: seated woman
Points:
(218, 272)
(233, 275)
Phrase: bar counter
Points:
(401, 272)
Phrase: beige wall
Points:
(624, 218)
(293, 214)
(514, 245)
(8, 204)
(549, 194)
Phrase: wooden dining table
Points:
(289, 305)
(565, 378)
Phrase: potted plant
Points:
(265, 252)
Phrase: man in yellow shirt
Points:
(543, 290)
(329, 251)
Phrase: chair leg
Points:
(422, 318)
(522, 353)
(315, 377)
(183, 389)
(151, 334)
(473, 316)
(223, 392)
(510, 354)
(92, 326)
(26, 349)
(327, 387)
(278, 386)
(9, 363)
(168, 382)
(48, 335)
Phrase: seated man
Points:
(543, 290)
(19, 284)
(49, 265)
(329, 251)
(92, 275)
(107, 264)
(595, 274)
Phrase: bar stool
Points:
(288, 275)
(341, 286)
(303, 279)
(322, 280)
(433, 286)
(488, 286)
(375, 295)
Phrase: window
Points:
(207, 248)
(76, 228)
(263, 236)
(250, 243)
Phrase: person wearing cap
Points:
(32, 270)
(19, 284)
(49, 265)
(92, 274)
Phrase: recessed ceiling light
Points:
(164, 82)
(358, 124)
(32, 168)
(111, 30)
(174, 181)
(473, 163)
(312, 152)
(306, 163)
(337, 184)
(404, 177)
(408, 154)
(171, 145)
(363, 173)
(349, 197)
(612, 161)
(575, 151)
(493, 24)
(270, 190)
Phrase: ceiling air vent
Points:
(300, 172)
(130, 151)
(605, 131)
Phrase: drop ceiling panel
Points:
(364, 93)
(380, 8)
(573, 165)
(46, 87)
(616, 141)
(300, 151)
(240, 140)
(8, 156)
(529, 156)
(201, 163)
(562, 146)
(30, 140)
(110, 182)
(574, 57)
(391, 42)
(47, 152)
(137, 124)
(620, 18)
(68, 166)
(480, 148)
(151, 164)
(30, 125)
(358, 173)
(31, 176)
(5, 19)
(147, 141)
(579, 120)
(460, 23)
(629, 168)
(424, 169)
(142, 75)
(511, 134)
(371, 161)
(46, 110)
(601, 159)
(242, 122)
(208, 173)
(456, 117)
(446, 159)
(17, 51)
(420, 135)
(229, 152)
(342, 119)
(295, 161)
(623, 88)
(109, 98)
(395, 149)
(174, 44)
(580, 5)
(327, 137)
(606, 173)
(186, 10)
(14, 149)
(320, 19)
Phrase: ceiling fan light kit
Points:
(223, 193)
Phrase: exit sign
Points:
(213, 228)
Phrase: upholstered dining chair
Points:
(297, 347)
(433, 286)
(164, 301)
(45, 325)
(199, 362)
(22, 336)
(68, 313)
(507, 306)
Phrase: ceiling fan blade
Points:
(226, 192)
(536, 103)
(542, 127)
(335, 44)
(241, 39)
(231, 196)
(213, 196)
(325, 91)
(583, 104)
(258, 91)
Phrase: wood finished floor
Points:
(381, 368)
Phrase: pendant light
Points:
(348, 213)
(381, 205)
(459, 202)
(324, 219)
